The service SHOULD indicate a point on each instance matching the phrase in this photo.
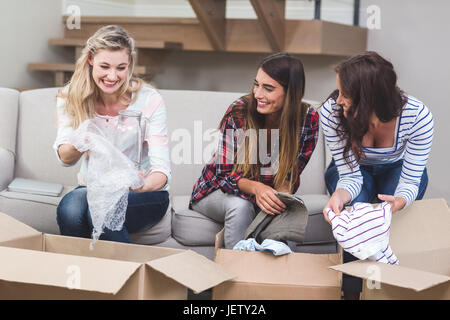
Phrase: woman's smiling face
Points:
(110, 69)
(268, 93)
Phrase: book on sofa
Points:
(35, 187)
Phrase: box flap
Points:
(394, 275)
(298, 269)
(105, 249)
(66, 271)
(12, 229)
(435, 261)
(219, 242)
(421, 227)
(191, 270)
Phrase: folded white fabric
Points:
(363, 231)
(110, 175)
(276, 247)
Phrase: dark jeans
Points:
(144, 210)
(377, 179)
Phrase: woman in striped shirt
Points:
(102, 85)
(282, 134)
(380, 139)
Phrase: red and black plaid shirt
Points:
(217, 174)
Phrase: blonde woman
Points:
(232, 191)
(101, 86)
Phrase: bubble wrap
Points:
(110, 174)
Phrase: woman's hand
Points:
(267, 200)
(336, 203)
(145, 187)
(153, 182)
(397, 203)
(69, 154)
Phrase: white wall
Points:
(235, 72)
(26, 27)
(414, 36)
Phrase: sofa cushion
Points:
(39, 212)
(317, 230)
(9, 109)
(7, 167)
(37, 123)
(314, 202)
(191, 228)
(312, 178)
(160, 232)
(207, 251)
(192, 118)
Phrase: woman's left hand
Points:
(397, 203)
(144, 187)
(152, 182)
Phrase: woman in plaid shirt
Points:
(267, 138)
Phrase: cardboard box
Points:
(43, 266)
(263, 276)
(420, 238)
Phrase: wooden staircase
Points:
(63, 71)
(156, 38)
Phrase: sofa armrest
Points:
(7, 165)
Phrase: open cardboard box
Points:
(420, 238)
(43, 266)
(264, 276)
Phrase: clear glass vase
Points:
(129, 135)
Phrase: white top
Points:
(363, 230)
(413, 139)
(155, 156)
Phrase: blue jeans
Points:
(377, 179)
(144, 210)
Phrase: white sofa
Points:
(27, 132)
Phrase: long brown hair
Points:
(370, 82)
(289, 73)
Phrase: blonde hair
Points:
(82, 92)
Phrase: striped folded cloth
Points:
(363, 231)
